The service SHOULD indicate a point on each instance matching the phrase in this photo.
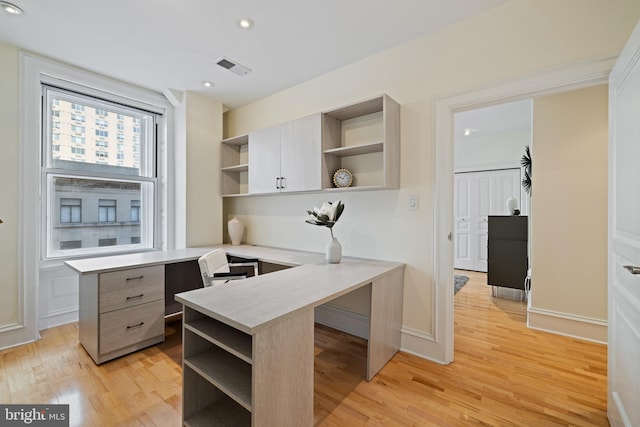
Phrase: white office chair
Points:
(214, 267)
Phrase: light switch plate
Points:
(413, 202)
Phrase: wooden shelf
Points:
(356, 150)
(225, 371)
(355, 188)
(237, 140)
(356, 110)
(224, 411)
(234, 341)
(237, 168)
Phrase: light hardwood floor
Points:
(503, 374)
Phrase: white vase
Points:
(236, 230)
(333, 252)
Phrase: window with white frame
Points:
(92, 192)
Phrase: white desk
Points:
(248, 345)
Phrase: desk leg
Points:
(283, 373)
(385, 320)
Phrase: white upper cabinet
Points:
(304, 154)
(286, 157)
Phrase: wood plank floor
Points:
(503, 375)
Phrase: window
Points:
(70, 211)
(135, 211)
(107, 210)
(55, 113)
(75, 177)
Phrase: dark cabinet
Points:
(507, 251)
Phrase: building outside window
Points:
(86, 187)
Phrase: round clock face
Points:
(342, 178)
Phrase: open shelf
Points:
(365, 139)
(234, 341)
(234, 165)
(356, 150)
(224, 411)
(237, 168)
(225, 371)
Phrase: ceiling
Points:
(513, 116)
(160, 44)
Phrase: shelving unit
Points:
(234, 153)
(217, 364)
(364, 138)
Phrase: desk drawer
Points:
(131, 325)
(127, 288)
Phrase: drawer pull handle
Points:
(135, 326)
(135, 278)
(632, 269)
(135, 296)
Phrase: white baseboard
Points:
(57, 318)
(420, 344)
(570, 325)
(412, 341)
(343, 320)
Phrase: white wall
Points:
(9, 189)
(499, 45)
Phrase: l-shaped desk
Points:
(248, 345)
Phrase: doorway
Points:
(554, 81)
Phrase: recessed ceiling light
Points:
(11, 8)
(467, 132)
(245, 23)
(207, 84)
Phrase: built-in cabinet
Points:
(476, 196)
(286, 157)
(365, 139)
(234, 158)
(121, 311)
(303, 155)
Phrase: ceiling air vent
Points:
(232, 66)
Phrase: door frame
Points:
(562, 79)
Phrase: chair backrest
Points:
(213, 262)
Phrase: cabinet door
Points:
(301, 154)
(264, 160)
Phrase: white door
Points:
(624, 237)
(264, 160)
(507, 186)
(463, 258)
(483, 193)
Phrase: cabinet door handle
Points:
(135, 296)
(632, 269)
(283, 182)
(277, 183)
(135, 326)
(135, 278)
